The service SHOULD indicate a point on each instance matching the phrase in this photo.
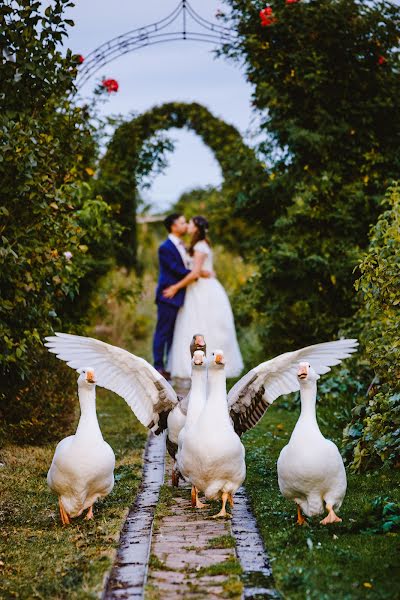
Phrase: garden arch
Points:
(125, 161)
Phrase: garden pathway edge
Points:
(129, 572)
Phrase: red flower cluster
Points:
(267, 17)
(80, 59)
(291, 1)
(381, 60)
(110, 84)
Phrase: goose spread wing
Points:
(250, 397)
(144, 389)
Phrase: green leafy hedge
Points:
(325, 77)
(55, 232)
(373, 435)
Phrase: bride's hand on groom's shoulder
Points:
(170, 291)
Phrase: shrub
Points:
(55, 230)
(326, 86)
(373, 435)
(42, 408)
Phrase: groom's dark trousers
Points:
(172, 270)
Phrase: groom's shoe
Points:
(165, 374)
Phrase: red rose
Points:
(110, 84)
(266, 16)
(80, 59)
(381, 60)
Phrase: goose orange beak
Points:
(302, 373)
(90, 377)
(219, 359)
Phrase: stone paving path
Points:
(169, 551)
(186, 561)
(257, 573)
(128, 575)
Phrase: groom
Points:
(173, 264)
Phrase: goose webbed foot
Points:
(222, 512)
(65, 520)
(89, 514)
(195, 498)
(175, 477)
(300, 517)
(331, 517)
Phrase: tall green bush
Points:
(326, 85)
(373, 435)
(52, 224)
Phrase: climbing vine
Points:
(137, 148)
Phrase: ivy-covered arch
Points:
(131, 155)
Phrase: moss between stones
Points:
(222, 541)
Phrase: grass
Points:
(222, 541)
(157, 564)
(231, 566)
(38, 557)
(343, 561)
(233, 588)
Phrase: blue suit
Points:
(172, 270)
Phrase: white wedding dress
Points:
(206, 310)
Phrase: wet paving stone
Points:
(128, 575)
(257, 573)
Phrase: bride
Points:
(206, 309)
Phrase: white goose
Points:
(247, 402)
(82, 469)
(197, 400)
(148, 394)
(212, 455)
(152, 398)
(310, 468)
(177, 417)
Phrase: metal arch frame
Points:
(154, 34)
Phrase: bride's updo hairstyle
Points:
(200, 233)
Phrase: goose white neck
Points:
(88, 418)
(308, 397)
(197, 397)
(216, 398)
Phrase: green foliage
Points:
(381, 515)
(373, 435)
(138, 148)
(53, 224)
(36, 411)
(379, 286)
(226, 228)
(330, 113)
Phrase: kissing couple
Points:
(190, 299)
